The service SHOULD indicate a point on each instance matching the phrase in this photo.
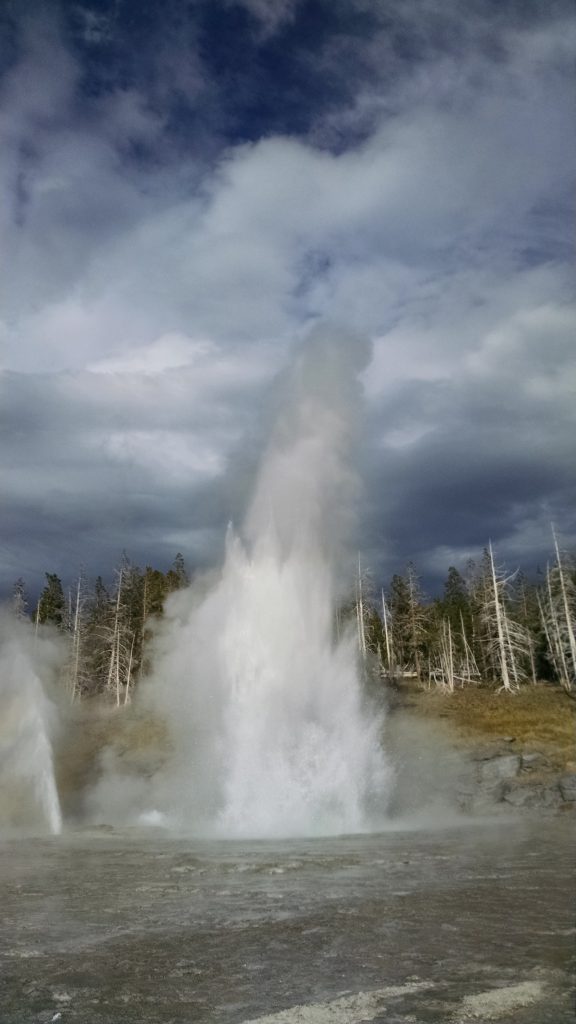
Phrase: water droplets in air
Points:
(271, 735)
(29, 797)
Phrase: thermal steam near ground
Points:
(255, 698)
(270, 730)
(30, 669)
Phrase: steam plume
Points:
(29, 796)
(264, 704)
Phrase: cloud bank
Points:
(185, 193)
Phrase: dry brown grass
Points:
(540, 717)
(95, 727)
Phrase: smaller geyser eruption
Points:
(264, 704)
(28, 794)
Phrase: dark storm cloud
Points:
(488, 453)
(95, 464)
(187, 187)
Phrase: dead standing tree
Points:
(565, 608)
(77, 633)
(506, 640)
(557, 606)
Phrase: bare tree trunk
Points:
(76, 642)
(129, 672)
(360, 615)
(549, 643)
(451, 653)
(510, 648)
(114, 667)
(532, 661)
(566, 607)
(118, 669)
(387, 634)
(555, 628)
(37, 622)
(466, 651)
(447, 655)
(530, 639)
(499, 626)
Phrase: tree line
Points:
(489, 626)
(106, 626)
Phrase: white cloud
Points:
(281, 231)
(159, 299)
(271, 14)
(168, 352)
(175, 456)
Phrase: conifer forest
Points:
(489, 626)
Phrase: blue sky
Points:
(188, 187)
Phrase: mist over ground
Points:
(268, 724)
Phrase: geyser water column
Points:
(271, 734)
(28, 794)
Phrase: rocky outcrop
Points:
(567, 786)
(525, 793)
(518, 781)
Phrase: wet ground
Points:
(469, 923)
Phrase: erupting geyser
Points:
(264, 702)
(28, 794)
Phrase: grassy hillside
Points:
(541, 717)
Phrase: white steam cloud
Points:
(263, 703)
(28, 666)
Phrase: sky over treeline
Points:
(187, 188)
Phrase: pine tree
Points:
(51, 605)
(408, 621)
(528, 616)
(155, 590)
(177, 575)
(416, 619)
(399, 604)
(456, 601)
(98, 613)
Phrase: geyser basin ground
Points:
(470, 923)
